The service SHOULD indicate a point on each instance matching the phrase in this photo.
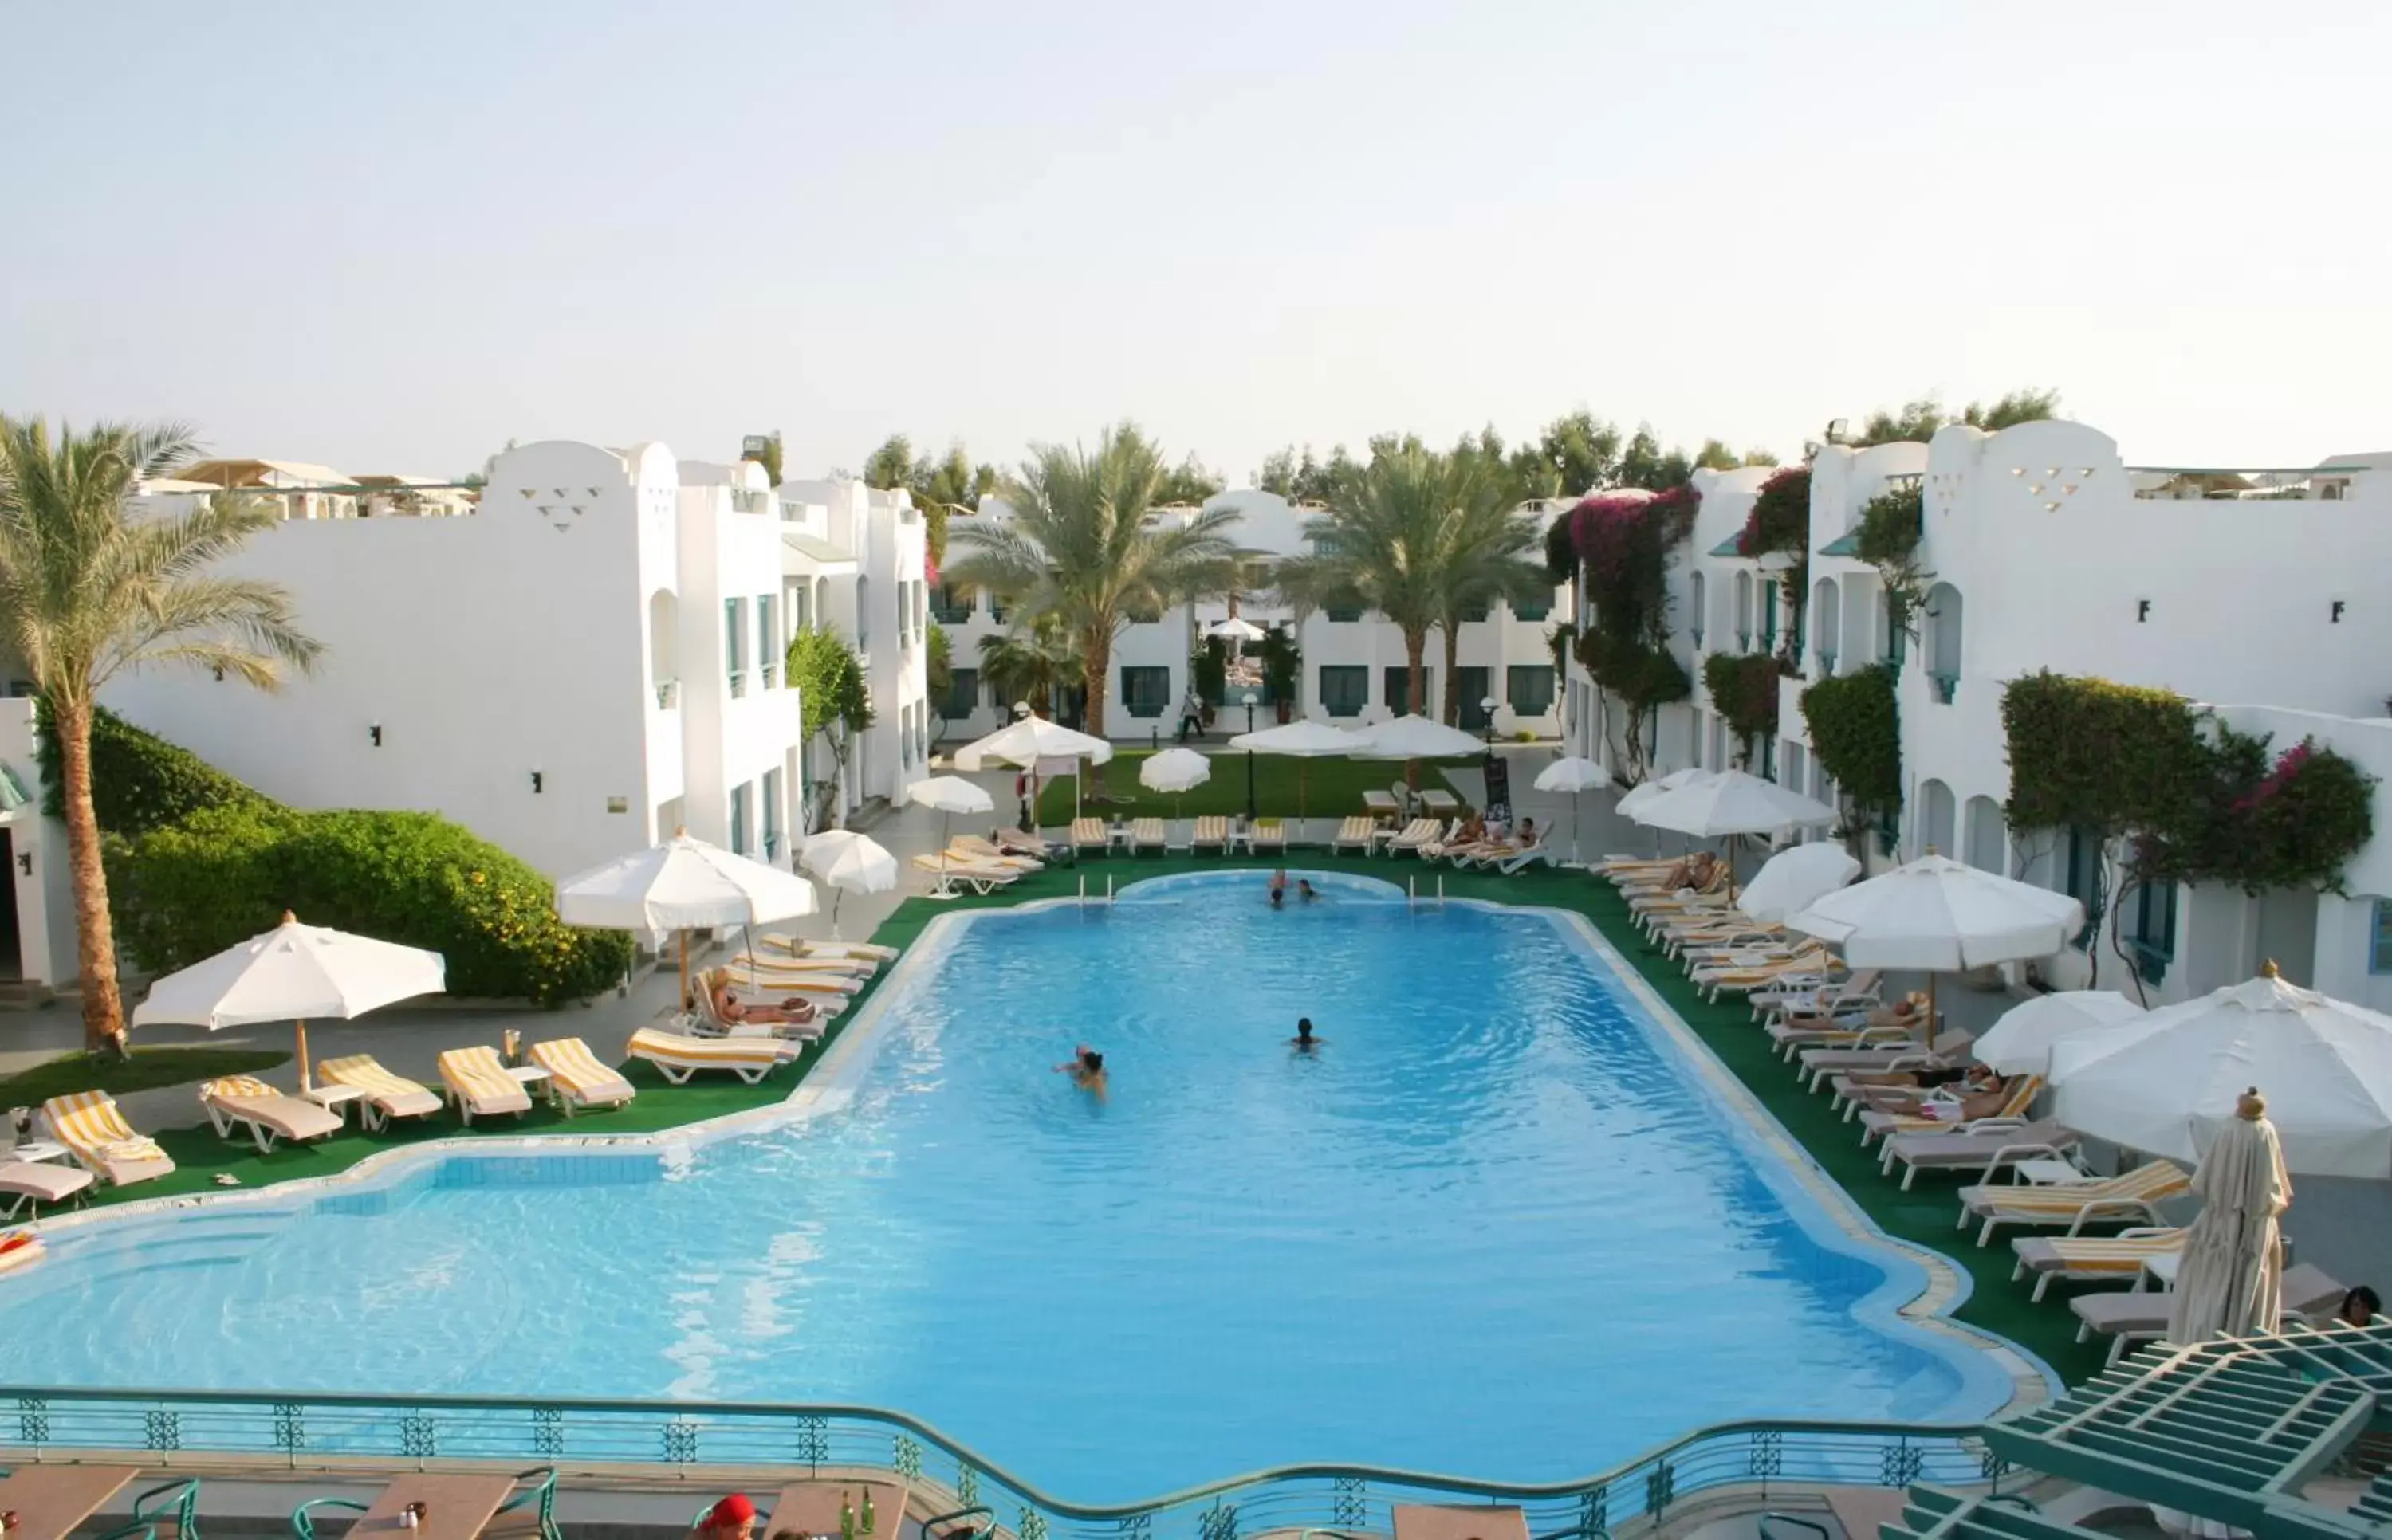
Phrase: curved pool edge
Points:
(1923, 1305)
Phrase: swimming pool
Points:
(1498, 1225)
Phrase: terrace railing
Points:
(174, 1428)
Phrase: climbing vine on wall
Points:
(1626, 544)
(1779, 525)
(2199, 801)
(1855, 725)
(1891, 525)
(1744, 691)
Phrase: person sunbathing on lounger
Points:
(1696, 871)
(731, 1009)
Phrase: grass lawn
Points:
(1329, 787)
(147, 1070)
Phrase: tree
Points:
(1575, 455)
(1916, 421)
(939, 487)
(1027, 663)
(1489, 553)
(836, 697)
(89, 590)
(769, 457)
(1191, 482)
(1307, 480)
(1080, 547)
(1643, 464)
(1716, 455)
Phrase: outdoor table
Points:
(1437, 1522)
(812, 1508)
(39, 1150)
(2162, 1268)
(455, 1508)
(50, 1500)
(2053, 1173)
(334, 1099)
(1440, 800)
(534, 1079)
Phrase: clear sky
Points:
(391, 237)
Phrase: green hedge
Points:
(141, 782)
(197, 860)
(1855, 725)
(1744, 691)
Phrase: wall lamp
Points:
(375, 734)
(537, 783)
(25, 863)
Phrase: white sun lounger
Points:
(578, 1078)
(2139, 1314)
(30, 1184)
(480, 1085)
(678, 1057)
(386, 1096)
(979, 877)
(88, 1124)
(237, 1102)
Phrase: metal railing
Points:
(738, 683)
(304, 1431)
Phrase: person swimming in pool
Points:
(1279, 887)
(1303, 1042)
(1305, 890)
(1087, 1067)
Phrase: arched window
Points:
(1988, 838)
(1826, 623)
(1939, 624)
(1937, 818)
(1695, 599)
(1743, 612)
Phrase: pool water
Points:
(1496, 1224)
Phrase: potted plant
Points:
(1283, 661)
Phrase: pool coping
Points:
(829, 1085)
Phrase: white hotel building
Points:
(1353, 667)
(2050, 551)
(582, 661)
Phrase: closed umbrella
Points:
(1175, 771)
(1569, 776)
(1301, 740)
(679, 886)
(2021, 1043)
(293, 973)
(1936, 915)
(850, 863)
(1794, 879)
(950, 794)
(2167, 1082)
(2231, 1280)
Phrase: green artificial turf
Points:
(147, 1070)
(1284, 787)
(1923, 1216)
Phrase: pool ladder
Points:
(1412, 889)
(1084, 888)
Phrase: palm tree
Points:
(1026, 664)
(1491, 551)
(1082, 550)
(89, 590)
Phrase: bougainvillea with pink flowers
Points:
(1626, 542)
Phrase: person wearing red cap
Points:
(731, 1519)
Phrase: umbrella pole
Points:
(304, 1084)
(684, 967)
(835, 894)
(1926, 1027)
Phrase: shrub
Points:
(1855, 725)
(1891, 527)
(1744, 691)
(1780, 520)
(138, 781)
(186, 890)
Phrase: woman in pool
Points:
(1279, 887)
(1305, 890)
(1087, 1067)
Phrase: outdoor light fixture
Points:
(375, 734)
(25, 863)
(537, 783)
(1487, 707)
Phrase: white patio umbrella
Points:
(681, 884)
(1301, 740)
(1645, 792)
(2021, 1043)
(293, 973)
(2167, 1082)
(1796, 878)
(1024, 744)
(1730, 802)
(850, 863)
(1937, 916)
(2230, 1281)
(1413, 739)
(1175, 771)
(1569, 776)
(1236, 629)
(950, 794)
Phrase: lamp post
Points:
(1250, 759)
(1487, 709)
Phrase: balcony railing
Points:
(952, 614)
(1946, 686)
(738, 683)
(1698, 632)
(1744, 641)
(1826, 664)
(302, 1430)
(771, 672)
(668, 694)
(746, 500)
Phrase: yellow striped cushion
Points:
(724, 1050)
(479, 1070)
(365, 1072)
(570, 1060)
(236, 1085)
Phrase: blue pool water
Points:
(1497, 1225)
